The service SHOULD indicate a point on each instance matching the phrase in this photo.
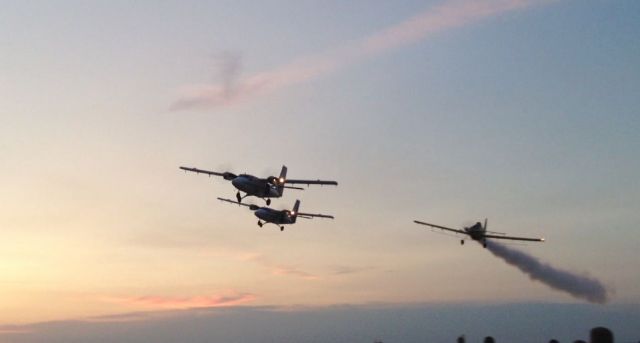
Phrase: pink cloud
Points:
(450, 14)
(164, 302)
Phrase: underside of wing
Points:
(207, 172)
(250, 206)
(311, 182)
(515, 238)
(312, 215)
(439, 227)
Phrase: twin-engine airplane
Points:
(279, 218)
(477, 232)
(270, 187)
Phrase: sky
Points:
(447, 111)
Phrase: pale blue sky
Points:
(528, 117)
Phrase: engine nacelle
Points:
(229, 176)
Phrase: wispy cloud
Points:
(165, 302)
(347, 270)
(448, 15)
(278, 269)
(291, 271)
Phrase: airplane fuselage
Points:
(255, 186)
(476, 232)
(274, 216)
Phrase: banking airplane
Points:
(279, 218)
(477, 232)
(270, 187)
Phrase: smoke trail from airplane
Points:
(579, 286)
(448, 15)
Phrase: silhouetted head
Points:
(579, 341)
(489, 339)
(601, 335)
(553, 341)
(460, 339)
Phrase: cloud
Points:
(164, 302)
(291, 271)
(448, 15)
(277, 269)
(346, 270)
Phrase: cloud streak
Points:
(279, 270)
(578, 286)
(448, 15)
(163, 302)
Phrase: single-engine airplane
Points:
(478, 232)
(270, 187)
(278, 218)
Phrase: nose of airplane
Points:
(236, 182)
(261, 213)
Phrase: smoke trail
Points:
(578, 286)
(448, 15)
(228, 64)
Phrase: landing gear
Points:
(462, 242)
(268, 202)
(260, 223)
(282, 228)
(484, 244)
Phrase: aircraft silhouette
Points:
(277, 217)
(478, 232)
(264, 188)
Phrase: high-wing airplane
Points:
(270, 187)
(478, 232)
(279, 218)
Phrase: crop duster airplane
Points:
(477, 232)
(270, 187)
(279, 218)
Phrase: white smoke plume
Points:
(579, 286)
(449, 14)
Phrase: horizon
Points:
(524, 322)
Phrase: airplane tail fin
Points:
(485, 223)
(294, 211)
(281, 179)
(283, 173)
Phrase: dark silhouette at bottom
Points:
(600, 335)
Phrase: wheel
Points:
(484, 244)
(259, 223)
(282, 228)
(462, 242)
(268, 202)
(239, 197)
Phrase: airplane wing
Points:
(250, 206)
(311, 215)
(515, 238)
(202, 171)
(311, 182)
(440, 227)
